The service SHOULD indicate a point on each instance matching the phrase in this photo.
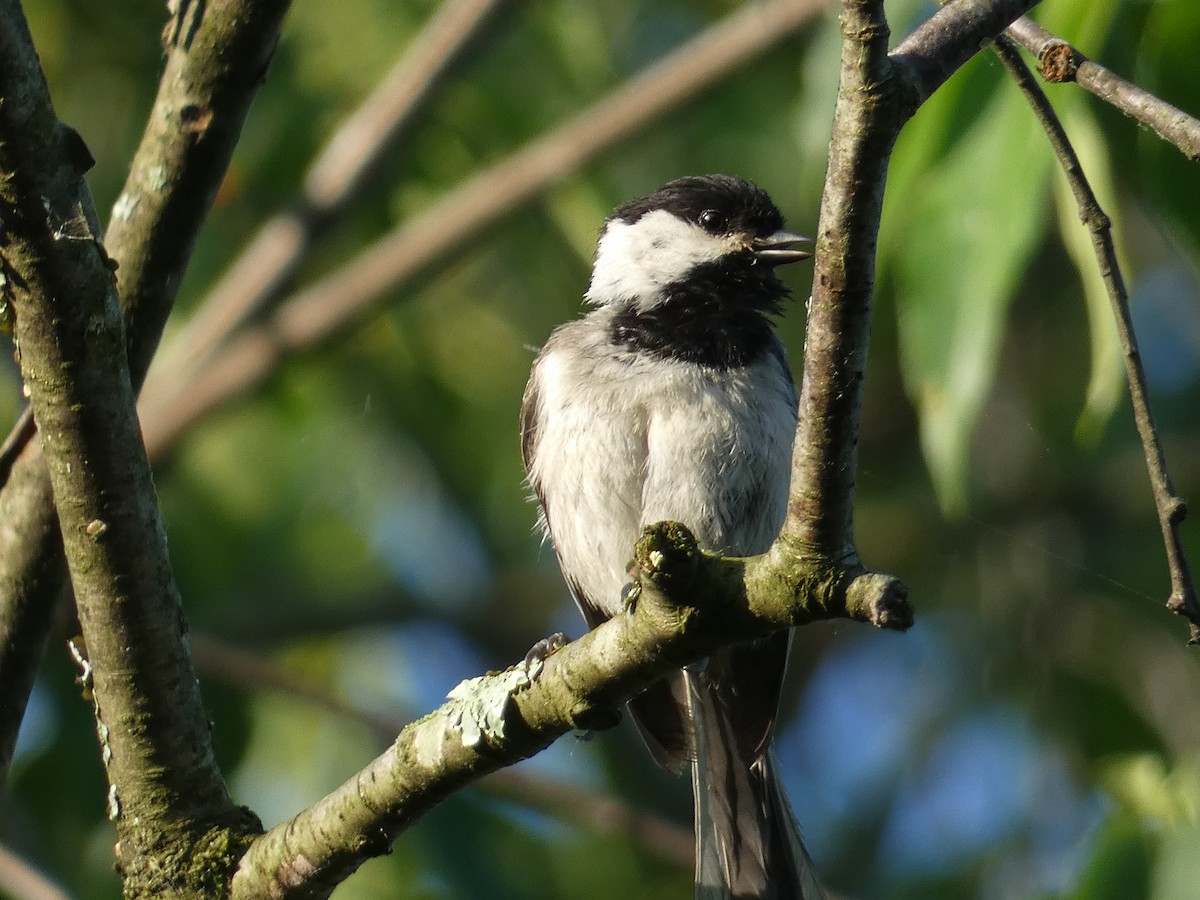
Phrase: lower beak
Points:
(781, 247)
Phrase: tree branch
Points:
(204, 95)
(940, 47)
(496, 720)
(32, 581)
(1169, 505)
(1059, 61)
(218, 661)
(877, 95)
(328, 309)
(166, 793)
(19, 878)
(336, 180)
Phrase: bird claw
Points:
(629, 596)
(539, 652)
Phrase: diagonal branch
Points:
(203, 99)
(1059, 61)
(597, 811)
(940, 47)
(336, 180)
(1169, 505)
(499, 719)
(328, 309)
(32, 580)
(20, 878)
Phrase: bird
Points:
(672, 399)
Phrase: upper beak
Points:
(781, 247)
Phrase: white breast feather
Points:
(625, 441)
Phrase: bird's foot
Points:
(538, 653)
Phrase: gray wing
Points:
(529, 424)
(531, 413)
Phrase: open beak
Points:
(781, 247)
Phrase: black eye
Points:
(712, 221)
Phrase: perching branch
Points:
(328, 309)
(496, 720)
(595, 810)
(1059, 61)
(203, 98)
(32, 579)
(1169, 505)
(150, 719)
(336, 180)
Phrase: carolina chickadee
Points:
(672, 400)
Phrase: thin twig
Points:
(336, 180)
(1058, 61)
(217, 660)
(22, 431)
(341, 300)
(1170, 506)
(599, 812)
(220, 661)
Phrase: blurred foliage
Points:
(362, 523)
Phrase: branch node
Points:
(1058, 61)
(1177, 511)
(1183, 603)
(881, 600)
(666, 553)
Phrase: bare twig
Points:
(336, 180)
(219, 661)
(33, 578)
(1059, 61)
(22, 431)
(338, 302)
(597, 811)
(203, 98)
(1169, 505)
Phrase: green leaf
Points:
(1146, 785)
(1166, 66)
(967, 226)
(1178, 870)
(1120, 864)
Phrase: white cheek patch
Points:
(635, 262)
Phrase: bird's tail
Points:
(747, 840)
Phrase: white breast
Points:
(625, 440)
